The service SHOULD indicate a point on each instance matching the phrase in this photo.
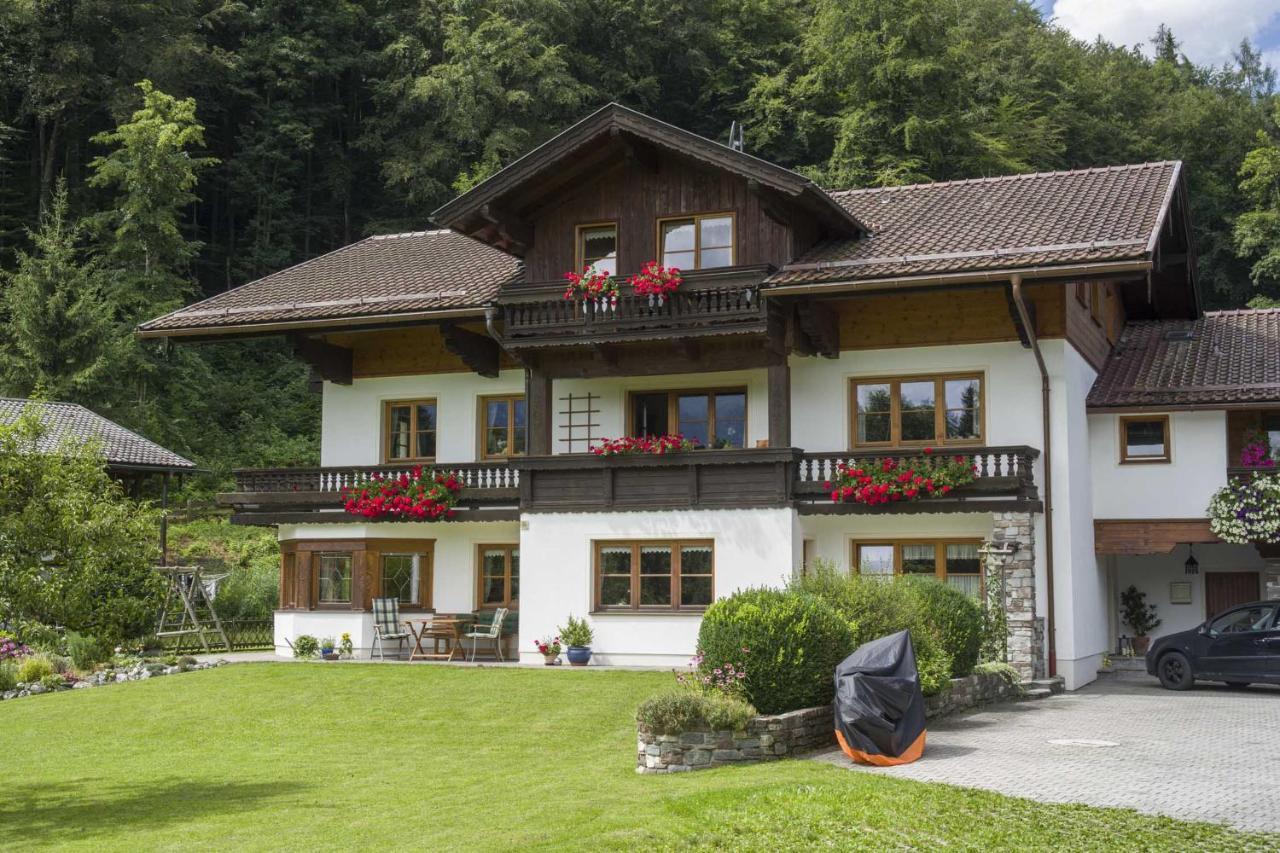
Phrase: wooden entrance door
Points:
(1223, 590)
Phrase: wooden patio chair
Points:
(387, 626)
(492, 631)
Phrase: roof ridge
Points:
(1121, 167)
(1222, 311)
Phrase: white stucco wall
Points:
(832, 535)
(453, 583)
(1179, 489)
(752, 548)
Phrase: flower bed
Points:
(889, 481)
(769, 737)
(139, 671)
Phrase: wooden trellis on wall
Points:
(578, 422)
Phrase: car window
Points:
(1256, 618)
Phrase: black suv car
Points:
(1240, 647)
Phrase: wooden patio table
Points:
(447, 628)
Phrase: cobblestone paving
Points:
(1211, 753)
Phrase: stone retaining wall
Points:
(768, 737)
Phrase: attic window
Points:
(697, 242)
(1179, 335)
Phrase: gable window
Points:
(955, 562)
(654, 576)
(697, 242)
(1144, 438)
(406, 577)
(715, 418)
(598, 247)
(499, 577)
(409, 430)
(334, 578)
(938, 410)
(504, 426)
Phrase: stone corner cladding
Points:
(770, 737)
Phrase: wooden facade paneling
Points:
(405, 352)
(940, 317)
(635, 196)
(1095, 317)
(1149, 536)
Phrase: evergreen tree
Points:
(59, 329)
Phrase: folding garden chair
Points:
(492, 631)
(387, 625)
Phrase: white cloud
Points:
(1208, 30)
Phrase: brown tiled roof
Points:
(1015, 222)
(1225, 357)
(1018, 221)
(72, 422)
(391, 274)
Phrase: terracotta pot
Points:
(1140, 645)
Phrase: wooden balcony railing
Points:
(722, 303)
(297, 495)
(1005, 480)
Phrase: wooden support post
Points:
(780, 405)
(164, 520)
(537, 394)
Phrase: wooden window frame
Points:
(318, 555)
(697, 218)
(1163, 459)
(413, 405)
(635, 608)
(939, 413)
(939, 554)
(507, 601)
(579, 255)
(302, 555)
(673, 408)
(482, 425)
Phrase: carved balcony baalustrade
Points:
(490, 491)
(708, 303)
(1005, 481)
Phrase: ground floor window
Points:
(403, 577)
(499, 577)
(334, 578)
(349, 573)
(654, 575)
(956, 562)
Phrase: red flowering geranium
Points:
(655, 280)
(883, 481)
(416, 496)
(590, 284)
(655, 444)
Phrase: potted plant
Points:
(577, 634)
(326, 649)
(346, 649)
(549, 648)
(1139, 616)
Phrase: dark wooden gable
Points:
(619, 165)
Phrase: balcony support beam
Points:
(780, 404)
(537, 393)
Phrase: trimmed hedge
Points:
(793, 642)
(958, 619)
(679, 711)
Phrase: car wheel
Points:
(1174, 671)
(1237, 684)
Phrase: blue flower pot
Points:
(578, 655)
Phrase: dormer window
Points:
(598, 247)
(697, 242)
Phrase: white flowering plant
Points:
(1247, 509)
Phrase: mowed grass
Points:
(306, 757)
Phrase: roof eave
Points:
(273, 328)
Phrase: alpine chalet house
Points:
(953, 333)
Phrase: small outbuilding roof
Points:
(1223, 359)
(123, 448)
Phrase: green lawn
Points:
(282, 756)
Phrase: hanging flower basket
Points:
(416, 496)
(1246, 511)
(887, 481)
(656, 282)
(592, 287)
(651, 444)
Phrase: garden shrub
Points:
(959, 620)
(788, 643)
(85, 651)
(683, 710)
(34, 668)
(306, 646)
(8, 676)
(1007, 673)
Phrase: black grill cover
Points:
(879, 708)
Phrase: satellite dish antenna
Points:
(735, 136)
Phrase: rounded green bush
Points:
(958, 619)
(788, 642)
(677, 711)
(34, 667)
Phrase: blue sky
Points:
(1209, 30)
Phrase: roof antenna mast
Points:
(735, 136)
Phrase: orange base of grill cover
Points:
(911, 754)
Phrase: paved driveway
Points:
(1210, 753)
